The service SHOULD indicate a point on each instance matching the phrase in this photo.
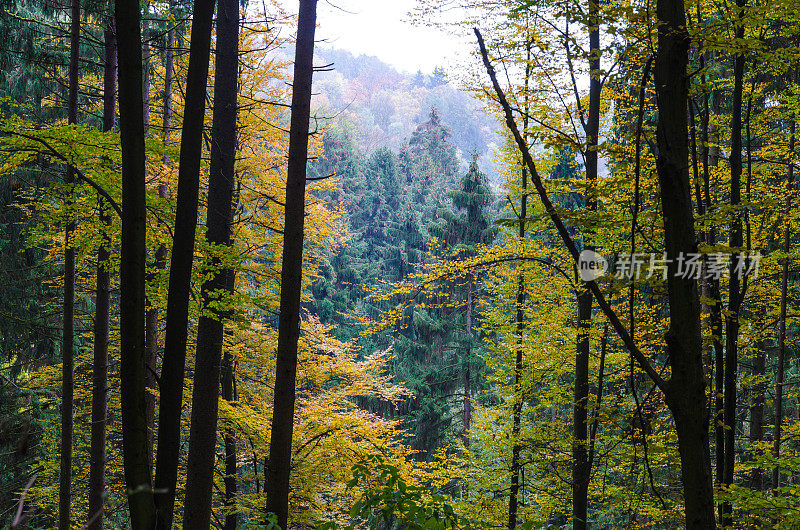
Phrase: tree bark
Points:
(516, 414)
(581, 466)
(686, 389)
(229, 394)
(779, 371)
(713, 290)
(68, 338)
(280, 450)
(136, 459)
(97, 451)
(146, 73)
(210, 328)
(734, 295)
(151, 318)
(467, 377)
(757, 410)
(177, 321)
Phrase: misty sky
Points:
(380, 28)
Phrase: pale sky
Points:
(380, 28)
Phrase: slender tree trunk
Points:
(467, 412)
(516, 414)
(133, 260)
(146, 73)
(210, 327)
(734, 294)
(581, 466)
(518, 367)
(255, 468)
(97, 466)
(68, 339)
(229, 394)
(757, 410)
(151, 318)
(686, 389)
(580, 462)
(177, 324)
(787, 242)
(280, 449)
(712, 285)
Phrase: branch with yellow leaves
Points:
(99, 189)
(609, 312)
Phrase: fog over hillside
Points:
(381, 106)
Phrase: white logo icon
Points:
(591, 265)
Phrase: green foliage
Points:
(389, 501)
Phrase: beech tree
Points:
(181, 261)
(102, 310)
(68, 328)
(210, 326)
(132, 270)
(280, 448)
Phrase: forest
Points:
(249, 280)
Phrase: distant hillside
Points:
(382, 107)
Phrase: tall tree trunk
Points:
(229, 394)
(787, 242)
(734, 294)
(712, 284)
(516, 414)
(466, 376)
(97, 451)
(68, 339)
(176, 330)
(686, 389)
(151, 318)
(757, 410)
(146, 71)
(210, 327)
(580, 462)
(280, 449)
(581, 466)
(133, 258)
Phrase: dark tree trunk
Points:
(779, 371)
(97, 451)
(581, 466)
(255, 469)
(734, 295)
(280, 449)
(757, 410)
(466, 375)
(210, 328)
(146, 73)
(132, 270)
(516, 449)
(686, 389)
(177, 323)
(229, 394)
(580, 463)
(68, 339)
(713, 290)
(516, 413)
(151, 318)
